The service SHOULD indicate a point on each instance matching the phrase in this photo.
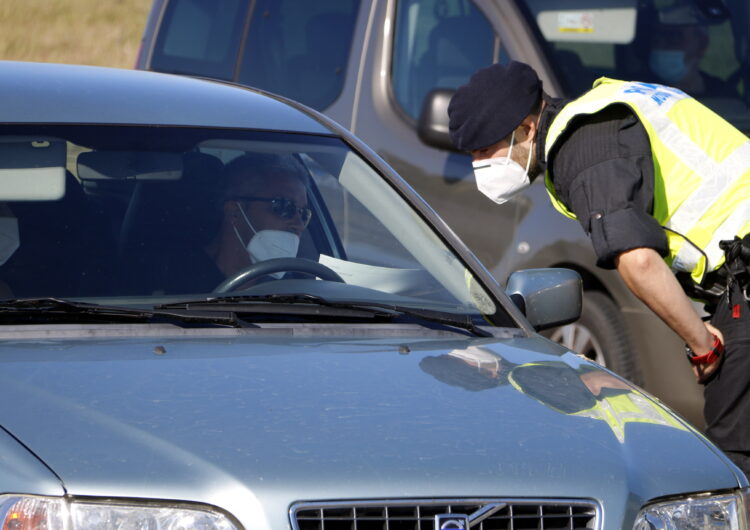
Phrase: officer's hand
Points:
(704, 372)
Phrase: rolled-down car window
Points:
(147, 216)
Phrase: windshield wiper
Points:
(430, 315)
(284, 305)
(303, 304)
(34, 310)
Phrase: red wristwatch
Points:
(712, 356)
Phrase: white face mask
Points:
(269, 244)
(500, 179)
(9, 238)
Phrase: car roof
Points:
(58, 93)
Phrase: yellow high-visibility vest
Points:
(701, 168)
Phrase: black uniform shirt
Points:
(602, 170)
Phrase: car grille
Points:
(513, 514)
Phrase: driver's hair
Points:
(252, 169)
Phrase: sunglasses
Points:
(283, 208)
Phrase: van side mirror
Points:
(432, 126)
(548, 297)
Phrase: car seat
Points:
(65, 249)
(166, 227)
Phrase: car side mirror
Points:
(548, 297)
(432, 126)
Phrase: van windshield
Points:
(698, 46)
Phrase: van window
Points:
(694, 45)
(295, 48)
(299, 48)
(200, 37)
(437, 44)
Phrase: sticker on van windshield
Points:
(575, 22)
(611, 21)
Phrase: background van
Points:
(385, 68)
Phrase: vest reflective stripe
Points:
(717, 178)
(737, 223)
(692, 181)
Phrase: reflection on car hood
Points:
(236, 421)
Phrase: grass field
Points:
(95, 32)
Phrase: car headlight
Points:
(20, 512)
(711, 512)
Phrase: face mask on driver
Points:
(501, 179)
(269, 244)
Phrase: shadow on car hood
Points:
(243, 423)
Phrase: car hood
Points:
(255, 423)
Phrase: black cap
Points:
(493, 103)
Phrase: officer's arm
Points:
(649, 277)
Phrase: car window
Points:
(694, 45)
(437, 44)
(143, 215)
(295, 48)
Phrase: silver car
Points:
(374, 376)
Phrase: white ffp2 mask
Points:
(501, 179)
(269, 244)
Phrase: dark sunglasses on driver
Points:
(283, 207)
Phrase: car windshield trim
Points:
(245, 304)
(230, 311)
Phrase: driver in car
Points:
(264, 212)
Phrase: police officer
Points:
(657, 180)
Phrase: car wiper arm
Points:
(50, 308)
(279, 303)
(296, 305)
(439, 317)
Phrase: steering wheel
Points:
(263, 268)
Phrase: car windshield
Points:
(142, 216)
(698, 46)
